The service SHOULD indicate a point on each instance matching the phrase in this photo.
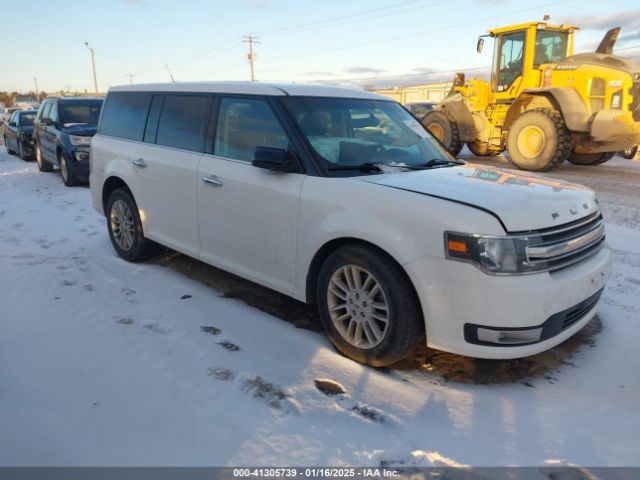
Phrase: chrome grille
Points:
(560, 247)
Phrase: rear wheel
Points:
(539, 140)
(125, 228)
(43, 165)
(630, 153)
(368, 306)
(444, 127)
(590, 158)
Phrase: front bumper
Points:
(457, 299)
(78, 161)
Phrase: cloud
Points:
(628, 20)
(319, 73)
(361, 70)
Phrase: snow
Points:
(103, 362)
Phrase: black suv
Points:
(64, 127)
(17, 133)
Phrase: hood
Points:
(522, 201)
(603, 60)
(81, 129)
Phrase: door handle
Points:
(212, 180)
(140, 163)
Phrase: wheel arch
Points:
(567, 101)
(331, 245)
(111, 184)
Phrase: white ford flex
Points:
(341, 198)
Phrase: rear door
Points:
(10, 132)
(168, 170)
(248, 216)
(48, 134)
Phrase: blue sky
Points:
(372, 42)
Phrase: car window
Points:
(12, 118)
(124, 115)
(53, 114)
(182, 122)
(243, 125)
(80, 112)
(45, 110)
(26, 119)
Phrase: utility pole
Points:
(93, 66)
(35, 80)
(251, 56)
(130, 75)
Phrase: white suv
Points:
(340, 197)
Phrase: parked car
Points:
(420, 109)
(64, 127)
(341, 198)
(5, 114)
(18, 133)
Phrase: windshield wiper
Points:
(363, 167)
(435, 162)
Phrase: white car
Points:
(340, 197)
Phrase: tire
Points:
(131, 246)
(43, 165)
(404, 330)
(538, 140)
(68, 177)
(590, 158)
(481, 149)
(21, 151)
(6, 145)
(444, 127)
(629, 153)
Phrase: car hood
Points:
(81, 129)
(522, 201)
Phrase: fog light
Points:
(509, 336)
(81, 156)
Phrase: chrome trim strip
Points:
(566, 247)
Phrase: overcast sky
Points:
(360, 42)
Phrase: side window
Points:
(243, 125)
(124, 115)
(45, 110)
(511, 59)
(13, 116)
(182, 122)
(53, 114)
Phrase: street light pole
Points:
(93, 66)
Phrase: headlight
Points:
(77, 140)
(494, 255)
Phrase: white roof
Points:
(251, 88)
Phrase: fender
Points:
(456, 107)
(566, 100)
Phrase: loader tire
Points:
(481, 149)
(539, 140)
(590, 158)
(445, 128)
(629, 153)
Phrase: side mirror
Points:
(274, 159)
(45, 122)
(12, 124)
(480, 44)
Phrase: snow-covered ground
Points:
(103, 362)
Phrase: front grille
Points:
(634, 106)
(557, 248)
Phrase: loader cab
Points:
(520, 50)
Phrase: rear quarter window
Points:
(124, 115)
(182, 122)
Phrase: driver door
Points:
(509, 65)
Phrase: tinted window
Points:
(80, 111)
(53, 114)
(124, 115)
(182, 122)
(243, 125)
(27, 119)
(45, 110)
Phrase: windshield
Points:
(551, 47)
(26, 119)
(85, 112)
(347, 132)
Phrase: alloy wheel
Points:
(122, 225)
(358, 306)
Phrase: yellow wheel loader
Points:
(543, 103)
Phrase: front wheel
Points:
(590, 158)
(125, 227)
(538, 140)
(368, 306)
(444, 127)
(68, 177)
(43, 165)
